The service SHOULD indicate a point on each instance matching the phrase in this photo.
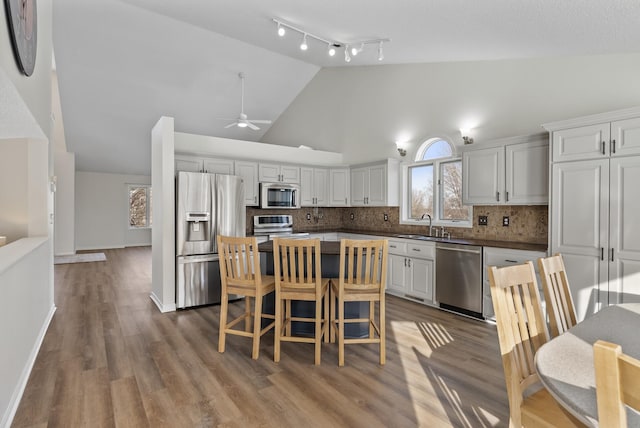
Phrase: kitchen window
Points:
(139, 206)
(433, 185)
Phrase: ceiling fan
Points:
(243, 121)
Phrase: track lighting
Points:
(350, 49)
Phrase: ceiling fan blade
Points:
(231, 124)
(260, 121)
(252, 126)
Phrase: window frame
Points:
(148, 216)
(438, 206)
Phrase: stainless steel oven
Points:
(279, 195)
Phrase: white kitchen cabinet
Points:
(339, 187)
(274, 173)
(594, 205)
(218, 166)
(249, 173)
(203, 164)
(511, 174)
(375, 185)
(593, 217)
(602, 140)
(188, 163)
(314, 186)
(410, 270)
(502, 257)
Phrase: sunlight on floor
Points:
(451, 403)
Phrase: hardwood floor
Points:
(110, 358)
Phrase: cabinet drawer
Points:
(396, 247)
(421, 251)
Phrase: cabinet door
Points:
(218, 166)
(339, 187)
(527, 173)
(290, 174)
(421, 281)
(483, 176)
(377, 186)
(397, 276)
(624, 233)
(359, 186)
(307, 193)
(579, 229)
(249, 172)
(586, 142)
(188, 164)
(625, 137)
(268, 173)
(320, 185)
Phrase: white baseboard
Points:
(65, 254)
(163, 308)
(102, 247)
(26, 371)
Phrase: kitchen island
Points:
(330, 265)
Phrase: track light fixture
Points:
(350, 49)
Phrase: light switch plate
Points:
(386, 217)
(505, 221)
(483, 220)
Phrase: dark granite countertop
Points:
(481, 242)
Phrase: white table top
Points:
(565, 364)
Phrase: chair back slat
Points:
(557, 294)
(363, 264)
(239, 262)
(617, 383)
(520, 323)
(296, 263)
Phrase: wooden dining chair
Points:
(617, 384)
(240, 275)
(557, 294)
(521, 332)
(363, 275)
(298, 274)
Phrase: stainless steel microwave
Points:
(279, 195)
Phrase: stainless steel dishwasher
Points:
(459, 278)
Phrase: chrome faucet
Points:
(430, 226)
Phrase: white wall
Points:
(361, 111)
(101, 211)
(64, 231)
(13, 203)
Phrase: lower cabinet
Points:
(410, 271)
(501, 257)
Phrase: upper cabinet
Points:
(376, 184)
(602, 140)
(339, 187)
(314, 185)
(273, 173)
(511, 174)
(200, 164)
(249, 173)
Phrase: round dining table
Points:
(565, 363)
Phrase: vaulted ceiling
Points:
(503, 66)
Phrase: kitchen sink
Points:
(421, 237)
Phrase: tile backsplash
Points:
(527, 223)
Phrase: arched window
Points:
(434, 148)
(434, 186)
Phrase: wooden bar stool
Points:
(240, 275)
(363, 275)
(298, 274)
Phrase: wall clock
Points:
(23, 26)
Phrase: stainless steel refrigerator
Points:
(206, 205)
